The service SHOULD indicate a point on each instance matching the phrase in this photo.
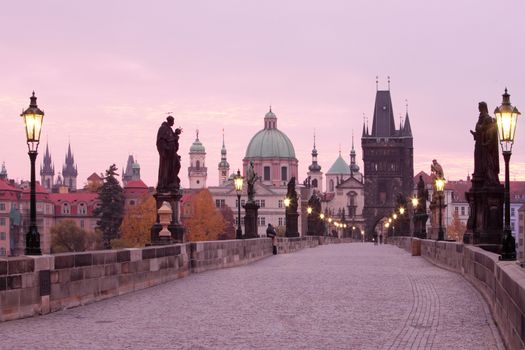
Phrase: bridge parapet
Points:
(501, 283)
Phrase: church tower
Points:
(69, 171)
(132, 172)
(47, 171)
(388, 157)
(224, 166)
(314, 171)
(197, 171)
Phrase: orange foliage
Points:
(137, 222)
(206, 222)
(456, 229)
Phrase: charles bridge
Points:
(444, 295)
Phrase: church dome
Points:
(197, 146)
(270, 142)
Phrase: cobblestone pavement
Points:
(346, 296)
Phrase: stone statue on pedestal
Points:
(292, 229)
(251, 179)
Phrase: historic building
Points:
(273, 157)
(272, 154)
(314, 174)
(47, 171)
(131, 172)
(388, 161)
(69, 171)
(197, 171)
(224, 166)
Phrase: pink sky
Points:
(106, 73)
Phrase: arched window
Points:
(198, 165)
(331, 186)
(314, 183)
(82, 208)
(66, 209)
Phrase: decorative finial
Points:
(339, 149)
(406, 106)
(377, 83)
(389, 83)
(34, 93)
(270, 108)
(197, 132)
(314, 138)
(352, 139)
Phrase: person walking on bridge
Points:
(270, 232)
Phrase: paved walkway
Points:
(346, 296)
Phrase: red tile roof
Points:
(136, 184)
(9, 192)
(94, 177)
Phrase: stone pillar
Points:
(291, 224)
(176, 229)
(485, 222)
(250, 220)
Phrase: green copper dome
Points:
(197, 146)
(270, 142)
(339, 167)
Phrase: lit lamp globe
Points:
(238, 182)
(506, 117)
(401, 210)
(33, 118)
(287, 202)
(394, 216)
(309, 210)
(440, 185)
(321, 216)
(415, 202)
(330, 220)
(387, 224)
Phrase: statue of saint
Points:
(437, 169)
(422, 196)
(292, 195)
(486, 156)
(251, 179)
(169, 160)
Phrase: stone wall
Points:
(34, 285)
(502, 283)
(289, 245)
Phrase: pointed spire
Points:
(314, 166)
(314, 138)
(223, 138)
(197, 135)
(389, 83)
(377, 83)
(364, 122)
(407, 130)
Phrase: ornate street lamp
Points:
(309, 210)
(33, 118)
(415, 203)
(287, 202)
(507, 117)
(440, 187)
(238, 181)
(321, 216)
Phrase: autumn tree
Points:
(456, 229)
(137, 222)
(111, 209)
(206, 223)
(229, 220)
(66, 236)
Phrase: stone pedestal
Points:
(292, 224)
(434, 220)
(485, 222)
(176, 229)
(250, 220)
(420, 225)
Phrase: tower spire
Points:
(389, 83)
(377, 83)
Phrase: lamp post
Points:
(440, 186)
(238, 181)
(506, 117)
(33, 118)
(415, 203)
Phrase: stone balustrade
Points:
(501, 283)
(33, 285)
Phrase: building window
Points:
(314, 183)
(284, 173)
(266, 173)
(82, 209)
(243, 202)
(456, 209)
(331, 186)
(2, 236)
(512, 226)
(280, 220)
(66, 209)
(463, 211)
(280, 203)
(223, 173)
(263, 203)
(2, 221)
(132, 202)
(261, 220)
(81, 223)
(2, 206)
(2, 251)
(219, 203)
(197, 165)
(512, 211)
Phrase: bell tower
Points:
(197, 171)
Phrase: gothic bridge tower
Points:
(388, 157)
